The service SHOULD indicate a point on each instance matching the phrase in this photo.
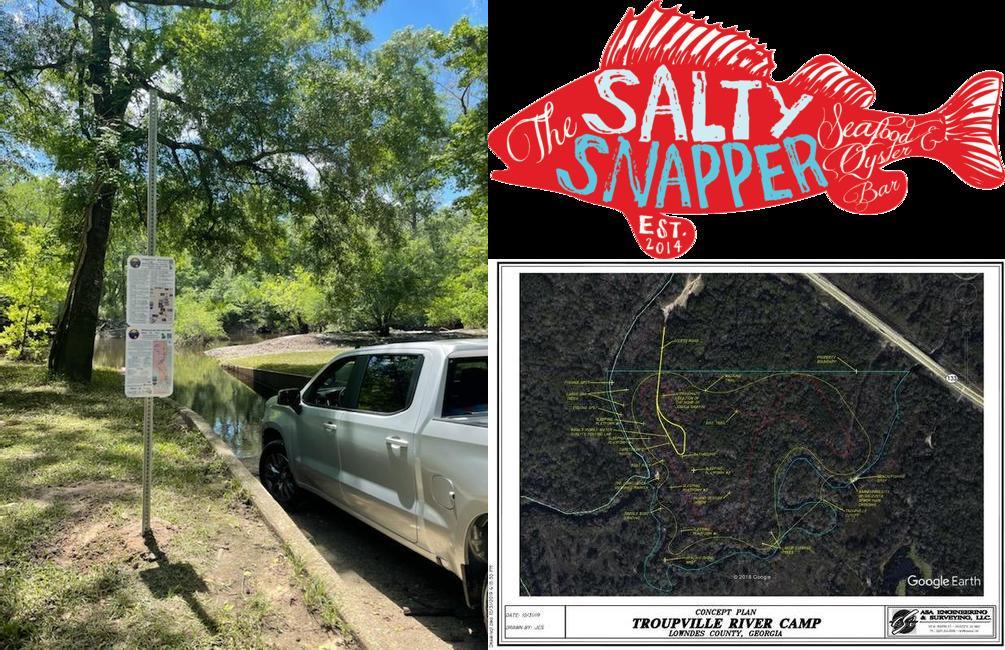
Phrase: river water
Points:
(231, 407)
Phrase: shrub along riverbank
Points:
(74, 569)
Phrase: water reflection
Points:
(897, 569)
(233, 409)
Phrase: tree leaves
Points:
(465, 52)
(282, 141)
(32, 278)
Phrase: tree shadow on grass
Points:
(169, 579)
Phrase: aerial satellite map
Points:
(751, 434)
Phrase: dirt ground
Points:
(328, 340)
(75, 570)
(241, 569)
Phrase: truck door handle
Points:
(395, 442)
(331, 426)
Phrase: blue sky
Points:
(439, 14)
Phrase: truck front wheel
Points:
(275, 474)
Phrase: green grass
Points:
(316, 597)
(297, 363)
(71, 570)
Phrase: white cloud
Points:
(190, 133)
(307, 167)
(168, 80)
(130, 17)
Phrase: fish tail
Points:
(971, 147)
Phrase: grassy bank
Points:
(74, 569)
(297, 363)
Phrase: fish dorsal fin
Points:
(825, 75)
(659, 35)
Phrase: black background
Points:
(915, 55)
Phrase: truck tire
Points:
(276, 476)
(485, 602)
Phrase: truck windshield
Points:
(467, 390)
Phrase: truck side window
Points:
(467, 389)
(388, 383)
(330, 389)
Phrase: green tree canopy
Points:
(295, 160)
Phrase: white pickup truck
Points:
(396, 435)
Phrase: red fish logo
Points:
(683, 117)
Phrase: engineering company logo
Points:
(904, 621)
(683, 117)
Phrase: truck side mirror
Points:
(289, 397)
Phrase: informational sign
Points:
(150, 291)
(150, 317)
(149, 362)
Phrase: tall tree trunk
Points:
(72, 349)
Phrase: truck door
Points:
(377, 443)
(317, 451)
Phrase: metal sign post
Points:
(148, 402)
(150, 293)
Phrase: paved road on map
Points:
(873, 321)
